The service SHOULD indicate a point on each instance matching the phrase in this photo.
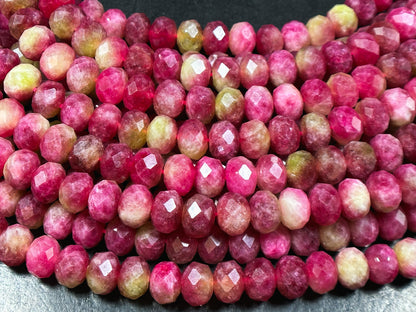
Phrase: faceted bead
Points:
(240, 176)
(57, 143)
(321, 272)
(330, 164)
(228, 281)
(282, 67)
(371, 82)
(259, 280)
(244, 247)
(65, 20)
(9, 60)
(115, 162)
(338, 57)
(111, 52)
(233, 213)
(275, 244)
(387, 37)
(179, 174)
(264, 211)
(392, 225)
(353, 269)
(365, 10)
(344, 20)
(139, 92)
(29, 212)
(86, 153)
(291, 277)
(383, 264)
(271, 173)
(258, 104)
(137, 28)
(104, 122)
(87, 38)
(364, 48)
(355, 198)
(374, 116)
(317, 96)
(29, 131)
(57, 221)
(360, 159)
(213, 248)
(311, 63)
(404, 20)
(166, 211)
(167, 64)
(162, 33)
(189, 36)
(165, 282)
(197, 284)
(26, 18)
(192, 139)
(112, 84)
(114, 23)
(287, 101)
(254, 70)
(242, 38)
(225, 73)
(132, 129)
(180, 248)
(133, 279)
(9, 197)
(139, 60)
(210, 176)
(405, 251)
(325, 204)
(320, 30)
(344, 89)
(384, 191)
(46, 181)
(34, 40)
(215, 37)
(200, 104)
(86, 231)
(20, 83)
(364, 230)
(346, 124)
(149, 243)
(284, 135)
(315, 130)
(56, 61)
(198, 216)
(74, 191)
(161, 134)
(335, 236)
(195, 70)
(400, 105)
(169, 98)
(20, 167)
(15, 241)
(295, 36)
(223, 140)
(407, 139)
(71, 266)
(146, 167)
(82, 74)
(305, 241)
(268, 39)
(300, 167)
(103, 272)
(135, 205)
(42, 256)
(103, 201)
(48, 98)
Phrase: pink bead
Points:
(47, 190)
(213, 248)
(387, 37)
(86, 231)
(254, 70)
(346, 124)
(149, 243)
(162, 33)
(169, 98)
(259, 280)
(392, 225)
(317, 96)
(137, 28)
(316, 132)
(265, 211)
(258, 103)
(335, 236)
(167, 211)
(215, 37)
(110, 85)
(8, 199)
(355, 198)
(197, 284)
(15, 241)
(228, 281)
(282, 67)
(132, 129)
(115, 162)
(76, 111)
(6, 149)
(93, 9)
(210, 176)
(111, 52)
(135, 205)
(404, 20)
(139, 60)
(240, 176)
(383, 264)
(330, 164)
(291, 277)
(321, 272)
(370, 81)
(14, 112)
(57, 143)
(365, 10)
(325, 204)
(195, 70)
(311, 63)
(306, 240)
(275, 244)
(374, 116)
(103, 201)
(74, 191)
(242, 38)
(295, 208)
(382, 5)
(48, 98)
(57, 221)
(42, 256)
(400, 105)
(364, 230)
(254, 139)
(360, 159)
(284, 135)
(192, 139)
(295, 36)
(200, 104)
(139, 92)
(344, 89)
(244, 247)
(102, 273)
(71, 266)
(57, 53)
(9, 60)
(20, 167)
(25, 18)
(29, 131)
(180, 248)
(288, 101)
(268, 39)
(338, 57)
(119, 238)
(384, 191)
(179, 174)
(233, 213)
(165, 282)
(146, 167)
(271, 173)
(407, 138)
(167, 64)
(198, 216)
(86, 153)
(114, 23)
(29, 212)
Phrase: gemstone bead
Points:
(268, 39)
(317, 96)
(325, 204)
(139, 60)
(242, 38)
(282, 67)
(264, 211)
(86, 153)
(111, 84)
(335, 236)
(291, 277)
(315, 130)
(86, 231)
(213, 248)
(71, 266)
(345, 124)
(103, 272)
(284, 135)
(133, 278)
(46, 181)
(74, 191)
(179, 174)
(200, 104)
(180, 248)
(132, 129)
(374, 116)
(244, 247)
(192, 139)
(20, 167)
(57, 221)
(215, 37)
(383, 264)
(210, 176)
(364, 230)
(258, 104)
(321, 272)
(115, 162)
(29, 131)
(166, 211)
(305, 241)
(197, 284)
(15, 241)
(167, 64)
(161, 134)
(223, 140)
(254, 70)
(271, 173)
(228, 281)
(287, 101)
(300, 167)
(149, 243)
(405, 251)
(295, 36)
(165, 282)
(103, 200)
(42, 255)
(344, 89)
(233, 213)
(137, 28)
(404, 20)
(48, 98)
(360, 159)
(135, 205)
(259, 280)
(29, 212)
(162, 33)
(353, 269)
(189, 36)
(275, 244)
(195, 70)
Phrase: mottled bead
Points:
(134, 276)
(259, 280)
(102, 273)
(189, 36)
(228, 281)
